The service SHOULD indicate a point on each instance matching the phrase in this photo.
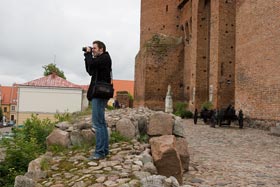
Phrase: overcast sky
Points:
(34, 33)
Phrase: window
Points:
(5, 109)
(12, 117)
(13, 108)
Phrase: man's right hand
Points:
(88, 49)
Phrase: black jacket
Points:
(101, 67)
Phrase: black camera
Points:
(85, 49)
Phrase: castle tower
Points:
(160, 59)
(159, 16)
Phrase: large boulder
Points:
(160, 124)
(82, 125)
(126, 128)
(76, 138)
(63, 125)
(178, 129)
(88, 136)
(35, 171)
(159, 180)
(22, 181)
(166, 158)
(85, 136)
(182, 148)
(142, 125)
(58, 137)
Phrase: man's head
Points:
(98, 48)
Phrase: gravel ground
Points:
(228, 156)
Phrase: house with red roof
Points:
(47, 96)
(8, 102)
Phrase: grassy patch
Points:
(117, 137)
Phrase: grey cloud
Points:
(33, 31)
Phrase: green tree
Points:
(1, 114)
(51, 68)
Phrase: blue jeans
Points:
(99, 124)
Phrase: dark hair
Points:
(100, 45)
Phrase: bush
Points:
(207, 105)
(144, 138)
(180, 110)
(62, 117)
(110, 107)
(27, 144)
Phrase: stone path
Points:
(124, 167)
(228, 156)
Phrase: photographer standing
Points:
(98, 65)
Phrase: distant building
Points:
(8, 102)
(47, 96)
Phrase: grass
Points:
(117, 137)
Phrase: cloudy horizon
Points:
(35, 33)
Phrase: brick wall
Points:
(257, 58)
(228, 54)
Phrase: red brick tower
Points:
(160, 59)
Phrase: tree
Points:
(1, 114)
(51, 68)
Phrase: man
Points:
(98, 65)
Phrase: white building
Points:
(47, 96)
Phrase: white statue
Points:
(168, 100)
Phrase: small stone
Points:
(110, 183)
(101, 179)
(196, 180)
(92, 163)
(136, 168)
(139, 163)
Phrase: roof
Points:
(52, 80)
(124, 85)
(8, 95)
(119, 85)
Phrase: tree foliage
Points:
(51, 68)
(26, 145)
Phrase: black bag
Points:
(103, 90)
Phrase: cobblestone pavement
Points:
(5, 129)
(228, 156)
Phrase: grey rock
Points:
(63, 125)
(196, 180)
(76, 138)
(88, 136)
(82, 125)
(150, 167)
(141, 174)
(34, 169)
(275, 131)
(22, 181)
(159, 180)
(58, 137)
(142, 125)
(178, 129)
(160, 124)
(126, 128)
